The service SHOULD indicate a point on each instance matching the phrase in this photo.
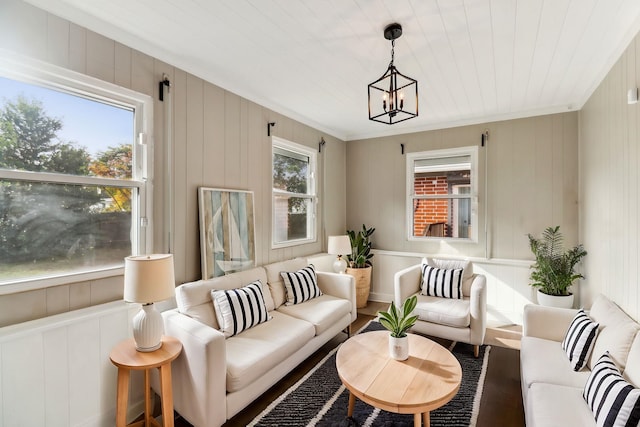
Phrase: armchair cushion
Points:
(453, 264)
(444, 311)
(440, 282)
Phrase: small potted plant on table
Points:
(398, 321)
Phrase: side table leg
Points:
(148, 415)
(122, 397)
(352, 404)
(167, 395)
(426, 419)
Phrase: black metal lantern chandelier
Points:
(393, 98)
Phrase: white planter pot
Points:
(555, 301)
(399, 348)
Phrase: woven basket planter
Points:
(363, 284)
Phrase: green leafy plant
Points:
(361, 255)
(399, 320)
(553, 272)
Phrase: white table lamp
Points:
(339, 245)
(148, 279)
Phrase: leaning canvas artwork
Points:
(227, 236)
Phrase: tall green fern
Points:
(553, 272)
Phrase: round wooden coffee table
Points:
(428, 379)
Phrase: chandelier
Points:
(393, 98)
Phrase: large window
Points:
(442, 187)
(294, 193)
(73, 184)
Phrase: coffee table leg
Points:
(352, 404)
(421, 419)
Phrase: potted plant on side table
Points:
(398, 321)
(360, 263)
(554, 270)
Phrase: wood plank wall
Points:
(219, 140)
(610, 185)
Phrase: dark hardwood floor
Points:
(501, 403)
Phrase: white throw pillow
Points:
(441, 282)
(301, 285)
(579, 340)
(240, 309)
(613, 401)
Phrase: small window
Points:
(73, 197)
(442, 194)
(294, 194)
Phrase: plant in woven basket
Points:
(553, 272)
(361, 255)
(399, 320)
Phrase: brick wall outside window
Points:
(430, 211)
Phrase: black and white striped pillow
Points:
(579, 340)
(240, 309)
(613, 401)
(440, 282)
(301, 285)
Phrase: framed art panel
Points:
(227, 234)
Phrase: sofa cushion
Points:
(194, 298)
(255, 351)
(617, 331)
(301, 285)
(579, 339)
(440, 282)
(239, 309)
(613, 401)
(274, 279)
(552, 405)
(452, 264)
(632, 371)
(322, 312)
(544, 361)
(444, 311)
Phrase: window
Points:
(442, 188)
(294, 194)
(73, 184)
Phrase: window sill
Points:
(63, 279)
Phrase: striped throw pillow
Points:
(613, 401)
(301, 285)
(240, 309)
(440, 282)
(579, 340)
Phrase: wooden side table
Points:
(127, 358)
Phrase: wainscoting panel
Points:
(56, 371)
(508, 289)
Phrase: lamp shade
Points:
(339, 245)
(149, 278)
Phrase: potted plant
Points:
(398, 321)
(554, 270)
(360, 263)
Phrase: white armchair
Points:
(463, 319)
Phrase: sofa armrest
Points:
(546, 322)
(406, 283)
(478, 309)
(199, 373)
(340, 286)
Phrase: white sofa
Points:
(551, 390)
(463, 320)
(214, 378)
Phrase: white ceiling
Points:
(475, 60)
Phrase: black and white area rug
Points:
(320, 399)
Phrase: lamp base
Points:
(148, 329)
(340, 265)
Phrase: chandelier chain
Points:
(393, 45)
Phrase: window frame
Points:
(411, 158)
(311, 195)
(42, 74)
